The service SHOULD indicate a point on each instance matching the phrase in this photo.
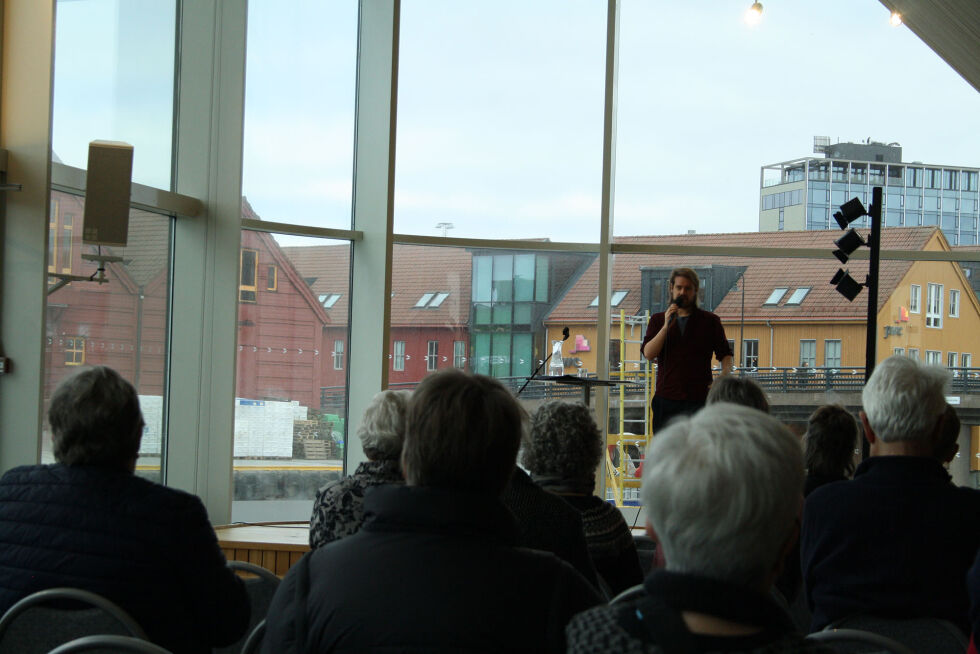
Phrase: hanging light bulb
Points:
(895, 20)
(754, 13)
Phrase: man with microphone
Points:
(682, 340)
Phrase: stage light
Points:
(846, 285)
(754, 13)
(847, 244)
(849, 212)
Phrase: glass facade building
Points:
(805, 193)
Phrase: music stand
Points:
(585, 382)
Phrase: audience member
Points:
(88, 522)
(830, 442)
(547, 522)
(338, 510)
(722, 492)
(898, 539)
(738, 390)
(434, 567)
(563, 456)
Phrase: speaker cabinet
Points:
(110, 169)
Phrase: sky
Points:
(499, 127)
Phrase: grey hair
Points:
(382, 430)
(722, 490)
(565, 441)
(904, 399)
(738, 390)
(95, 419)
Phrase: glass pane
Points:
(299, 111)
(291, 377)
(121, 323)
(503, 138)
(114, 80)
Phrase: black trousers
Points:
(665, 409)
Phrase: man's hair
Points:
(95, 419)
(462, 432)
(904, 399)
(382, 430)
(689, 274)
(947, 447)
(738, 390)
(722, 490)
(565, 441)
(831, 436)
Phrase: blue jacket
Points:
(896, 541)
(148, 548)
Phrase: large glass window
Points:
(831, 353)
(934, 306)
(291, 386)
(121, 323)
(808, 353)
(114, 80)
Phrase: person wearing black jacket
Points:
(434, 567)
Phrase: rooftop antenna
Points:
(445, 227)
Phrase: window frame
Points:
(75, 349)
(752, 343)
(398, 356)
(244, 288)
(954, 303)
(813, 358)
(272, 278)
(459, 354)
(915, 298)
(934, 305)
(827, 344)
(338, 354)
(432, 356)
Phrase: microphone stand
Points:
(534, 374)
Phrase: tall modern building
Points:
(805, 193)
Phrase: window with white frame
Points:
(915, 295)
(338, 355)
(459, 354)
(898, 351)
(952, 360)
(432, 356)
(966, 360)
(398, 356)
(751, 353)
(934, 306)
(808, 353)
(831, 353)
(954, 303)
(934, 357)
(914, 353)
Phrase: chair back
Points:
(261, 585)
(628, 594)
(857, 640)
(254, 640)
(45, 619)
(931, 635)
(109, 643)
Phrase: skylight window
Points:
(438, 300)
(776, 295)
(431, 300)
(614, 301)
(424, 300)
(328, 299)
(797, 297)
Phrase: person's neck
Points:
(684, 312)
(902, 448)
(710, 625)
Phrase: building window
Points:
(60, 240)
(915, 295)
(831, 354)
(808, 353)
(750, 354)
(954, 303)
(934, 357)
(934, 305)
(432, 357)
(398, 360)
(914, 353)
(966, 360)
(614, 301)
(459, 354)
(899, 351)
(246, 284)
(797, 297)
(338, 355)
(781, 225)
(272, 279)
(951, 360)
(776, 295)
(328, 299)
(74, 351)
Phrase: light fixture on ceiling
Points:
(754, 13)
(895, 20)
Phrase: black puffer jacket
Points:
(148, 548)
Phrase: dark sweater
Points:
(431, 570)
(148, 548)
(684, 362)
(896, 541)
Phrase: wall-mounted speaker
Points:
(110, 169)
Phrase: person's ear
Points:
(869, 433)
(659, 561)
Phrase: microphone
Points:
(676, 301)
